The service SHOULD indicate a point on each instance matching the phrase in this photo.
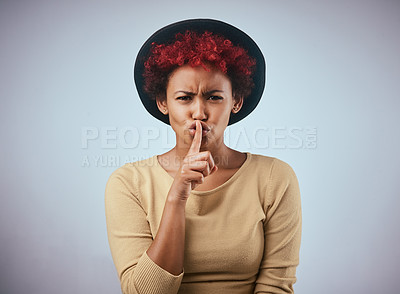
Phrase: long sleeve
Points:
(282, 232)
(129, 236)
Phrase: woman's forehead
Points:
(194, 78)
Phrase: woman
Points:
(202, 217)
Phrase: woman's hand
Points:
(195, 167)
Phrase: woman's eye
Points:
(215, 98)
(183, 98)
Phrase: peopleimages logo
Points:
(254, 139)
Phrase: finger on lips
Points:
(202, 162)
(196, 143)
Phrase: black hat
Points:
(236, 36)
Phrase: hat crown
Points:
(236, 36)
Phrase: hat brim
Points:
(236, 36)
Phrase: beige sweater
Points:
(241, 237)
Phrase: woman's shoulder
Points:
(135, 168)
(269, 161)
(278, 178)
(272, 166)
(130, 176)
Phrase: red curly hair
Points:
(197, 49)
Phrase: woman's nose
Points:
(199, 110)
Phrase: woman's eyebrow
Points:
(212, 92)
(204, 93)
(185, 92)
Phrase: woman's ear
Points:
(162, 105)
(237, 104)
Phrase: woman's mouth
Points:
(192, 132)
(204, 129)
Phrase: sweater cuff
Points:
(152, 279)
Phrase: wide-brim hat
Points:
(167, 34)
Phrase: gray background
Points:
(66, 68)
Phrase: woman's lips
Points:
(192, 132)
(204, 129)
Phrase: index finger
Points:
(196, 143)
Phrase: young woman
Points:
(202, 217)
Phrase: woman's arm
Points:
(167, 250)
(130, 235)
(145, 265)
(282, 232)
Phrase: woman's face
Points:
(196, 94)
